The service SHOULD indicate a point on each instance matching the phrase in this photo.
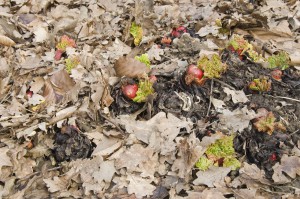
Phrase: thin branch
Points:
(210, 97)
(224, 84)
(38, 172)
(282, 97)
(112, 122)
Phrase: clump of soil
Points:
(70, 144)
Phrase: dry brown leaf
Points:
(290, 165)
(130, 67)
(58, 86)
(6, 41)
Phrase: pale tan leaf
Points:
(5, 160)
(211, 176)
(6, 41)
(130, 67)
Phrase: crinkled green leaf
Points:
(137, 33)
(144, 59)
(145, 89)
(203, 163)
(281, 60)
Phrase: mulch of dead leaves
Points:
(68, 131)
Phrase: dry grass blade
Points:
(130, 67)
(6, 41)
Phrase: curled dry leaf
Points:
(58, 86)
(130, 67)
(6, 41)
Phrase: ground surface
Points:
(73, 134)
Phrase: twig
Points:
(210, 97)
(78, 34)
(112, 122)
(224, 84)
(293, 133)
(282, 97)
(38, 172)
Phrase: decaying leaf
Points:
(211, 176)
(236, 96)
(206, 194)
(236, 120)
(6, 41)
(289, 165)
(5, 160)
(58, 86)
(189, 152)
(139, 186)
(130, 67)
(159, 132)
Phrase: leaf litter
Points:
(68, 131)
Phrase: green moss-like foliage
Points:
(144, 59)
(213, 68)
(71, 63)
(223, 150)
(137, 32)
(238, 42)
(203, 163)
(260, 84)
(281, 60)
(267, 124)
(145, 89)
(65, 42)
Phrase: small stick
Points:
(38, 172)
(210, 97)
(78, 34)
(282, 97)
(224, 84)
(112, 122)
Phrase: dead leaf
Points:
(159, 132)
(107, 146)
(130, 67)
(236, 120)
(37, 84)
(189, 152)
(218, 104)
(57, 184)
(252, 172)
(36, 99)
(5, 160)
(289, 165)
(106, 172)
(133, 157)
(6, 41)
(139, 186)
(211, 176)
(155, 53)
(236, 96)
(58, 86)
(41, 34)
(206, 194)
